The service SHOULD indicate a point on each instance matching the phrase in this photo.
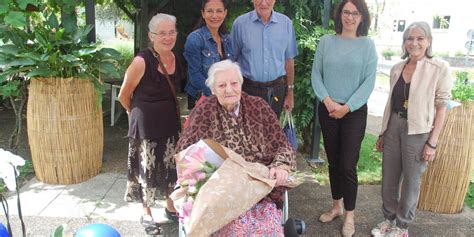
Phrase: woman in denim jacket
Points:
(208, 44)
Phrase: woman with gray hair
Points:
(247, 125)
(420, 88)
(148, 94)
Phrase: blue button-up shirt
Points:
(200, 52)
(261, 49)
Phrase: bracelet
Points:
(430, 146)
(291, 87)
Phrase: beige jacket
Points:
(430, 86)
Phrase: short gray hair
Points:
(222, 66)
(160, 18)
(423, 26)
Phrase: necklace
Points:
(405, 96)
(157, 56)
(405, 92)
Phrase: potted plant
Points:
(446, 180)
(64, 114)
(388, 53)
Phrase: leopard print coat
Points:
(255, 133)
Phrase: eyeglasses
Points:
(259, 1)
(354, 14)
(163, 34)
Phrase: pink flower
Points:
(195, 155)
(192, 165)
(200, 176)
(192, 182)
(192, 190)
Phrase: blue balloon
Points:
(97, 230)
(3, 231)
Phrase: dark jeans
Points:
(272, 92)
(191, 101)
(342, 141)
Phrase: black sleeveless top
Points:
(153, 111)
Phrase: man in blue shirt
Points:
(264, 44)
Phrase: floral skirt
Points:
(150, 166)
(263, 219)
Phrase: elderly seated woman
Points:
(247, 125)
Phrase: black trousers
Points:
(272, 92)
(342, 141)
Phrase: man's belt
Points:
(279, 81)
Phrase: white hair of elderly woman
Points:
(222, 66)
(159, 18)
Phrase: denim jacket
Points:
(200, 52)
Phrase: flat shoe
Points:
(348, 229)
(171, 215)
(329, 216)
(151, 227)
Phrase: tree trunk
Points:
(90, 19)
(143, 19)
(18, 105)
(327, 13)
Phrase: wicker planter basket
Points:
(65, 130)
(445, 182)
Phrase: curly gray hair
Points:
(222, 66)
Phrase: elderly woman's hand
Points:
(280, 174)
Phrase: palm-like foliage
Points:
(48, 49)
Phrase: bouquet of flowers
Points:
(194, 167)
(230, 185)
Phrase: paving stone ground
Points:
(100, 199)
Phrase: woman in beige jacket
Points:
(420, 88)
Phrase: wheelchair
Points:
(291, 227)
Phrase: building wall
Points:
(449, 40)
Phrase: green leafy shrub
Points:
(459, 53)
(37, 44)
(388, 53)
(463, 89)
(125, 48)
(470, 193)
(308, 35)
